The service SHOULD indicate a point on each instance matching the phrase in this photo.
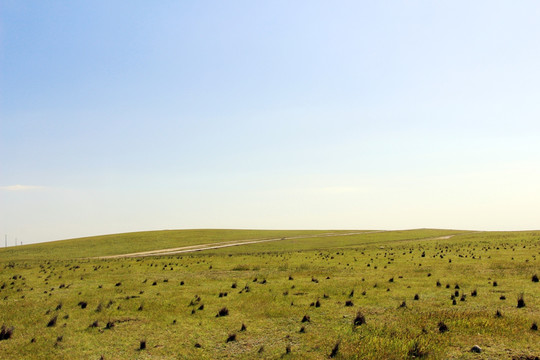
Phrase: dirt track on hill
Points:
(202, 247)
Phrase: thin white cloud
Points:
(21, 187)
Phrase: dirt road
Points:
(202, 247)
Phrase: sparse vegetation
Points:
(296, 303)
(52, 321)
(359, 319)
(6, 332)
(521, 301)
(223, 312)
(335, 350)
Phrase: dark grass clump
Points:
(52, 322)
(306, 318)
(231, 337)
(417, 351)
(223, 312)
(442, 327)
(6, 332)
(521, 301)
(535, 278)
(359, 319)
(195, 300)
(335, 350)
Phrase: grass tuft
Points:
(223, 312)
(52, 321)
(335, 350)
(6, 332)
(359, 319)
(417, 350)
(521, 301)
(442, 327)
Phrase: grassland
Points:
(405, 284)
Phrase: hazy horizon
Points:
(120, 117)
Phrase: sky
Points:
(141, 115)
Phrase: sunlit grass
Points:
(158, 299)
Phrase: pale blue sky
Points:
(139, 115)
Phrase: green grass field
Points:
(407, 286)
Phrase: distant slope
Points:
(117, 244)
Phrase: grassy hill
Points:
(135, 242)
(376, 295)
(116, 244)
